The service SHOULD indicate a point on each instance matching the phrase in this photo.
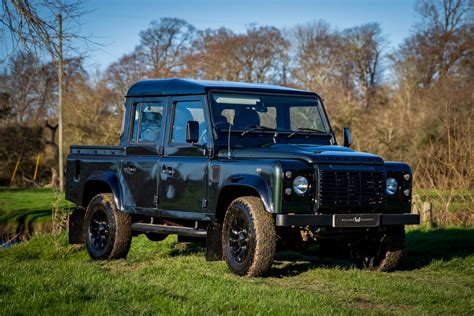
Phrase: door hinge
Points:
(204, 203)
(156, 200)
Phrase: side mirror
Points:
(346, 134)
(192, 132)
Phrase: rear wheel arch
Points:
(95, 187)
(92, 188)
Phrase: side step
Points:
(164, 229)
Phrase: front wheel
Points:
(248, 237)
(107, 230)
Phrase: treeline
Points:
(413, 103)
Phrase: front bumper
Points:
(346, 220)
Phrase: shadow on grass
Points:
(24, 220)
(288, 263)
(422, 248)
(187, 248)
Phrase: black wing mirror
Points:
(346, 134)
(192, 132)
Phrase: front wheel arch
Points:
(231, 192)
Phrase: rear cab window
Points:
(147, 122)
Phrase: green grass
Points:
(47, 276)
(26, 207)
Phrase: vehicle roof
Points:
(178, 86)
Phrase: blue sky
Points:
(116, 24)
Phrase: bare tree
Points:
(216, 56)
(31, 86)
(318, 59)
(31, 25)
(443, 42)
(363, 46)
(258, 55)
(121, 74)
(166, 43)
(261, 51)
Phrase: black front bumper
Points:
(346, 220)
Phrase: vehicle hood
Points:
(308, 152)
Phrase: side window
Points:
(185, 111)
(147, 122)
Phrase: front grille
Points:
(351, 189)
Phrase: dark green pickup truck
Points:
(245, 168)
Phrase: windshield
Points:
(266, 113)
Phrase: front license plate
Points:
(355, 220)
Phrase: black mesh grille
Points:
(351, 189)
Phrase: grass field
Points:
(26, 209)
(47, 276)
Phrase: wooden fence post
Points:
(16, 169)
(426, 214)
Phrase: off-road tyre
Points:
(247, 224)
(107, 230)
(384, 254)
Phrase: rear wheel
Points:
(382, 252)
(248, 237)
(107, 230)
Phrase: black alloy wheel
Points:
(99, 229)
(248, 237)
(239, 239)
(107, 230)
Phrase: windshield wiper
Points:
(305, 129)
(257, 128)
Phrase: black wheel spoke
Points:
(99, 229)
(238, 238)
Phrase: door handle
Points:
(167, 170)
(129, 169)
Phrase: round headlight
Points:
(300, 185)
(392, 186)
